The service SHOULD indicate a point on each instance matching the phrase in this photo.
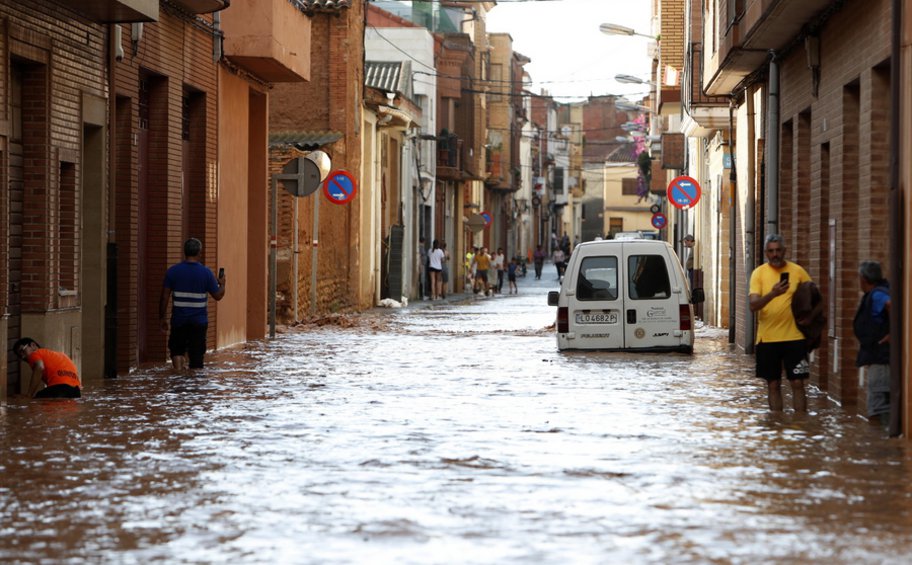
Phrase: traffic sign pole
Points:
(313, 259)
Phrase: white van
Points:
(625, 295)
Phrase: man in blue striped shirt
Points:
(189, 283)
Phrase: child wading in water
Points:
(511, 275)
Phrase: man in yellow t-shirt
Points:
(779, 344)
(482, 263)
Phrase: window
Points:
(68, 235)
(648, 277)
(597, 279)
(629, 187)
(615, 225)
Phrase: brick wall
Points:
(174, 59)
(839, 172)
(330, 101)
(58, 57)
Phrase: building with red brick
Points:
(811, 89)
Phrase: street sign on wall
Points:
(683, 192)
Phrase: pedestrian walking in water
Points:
(481, 262)
(688, 243)
(511, 275)
(538, 258)
(444, 269)
(558, 258)
(872, 329)
(435, 267)
(497, 263)
(779, 342)
(189, 283)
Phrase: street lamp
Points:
(626, 106)
(615, 29)
(630, 79)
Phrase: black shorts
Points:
(774, 356)
(190, 340)
(59, 391)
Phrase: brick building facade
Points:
(53, 85)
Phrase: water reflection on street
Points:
(448, 432)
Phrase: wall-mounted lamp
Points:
(812, 49)
(136, 33)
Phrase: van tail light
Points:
(686, 322)
(563, 320)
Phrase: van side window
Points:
(648, 277)
(597, 279)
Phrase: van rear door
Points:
(651, 313)
(596, 315)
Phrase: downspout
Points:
(772, 150)
(749, 221)
(732, 234)
(115, 54)
(897, 250)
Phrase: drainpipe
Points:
(749, 223)
(732, 235)
(897, 251)
(115, 54)
(772, 150)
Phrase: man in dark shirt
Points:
(190, 283)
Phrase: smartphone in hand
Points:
(784, 277)
(221, 274)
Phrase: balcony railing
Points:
(692, 85)
(449, 157)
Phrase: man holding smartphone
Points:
(779, 342)
(190, 283)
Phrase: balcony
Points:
(115, 11)
(772, 24)
(449, 157)
(702, 113)
(744, 45)
(269, 39)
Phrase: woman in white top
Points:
(435, 266)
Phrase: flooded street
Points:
(448, 432)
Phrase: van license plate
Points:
(596, 317)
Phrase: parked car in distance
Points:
(627, 294)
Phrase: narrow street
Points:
(448, 432)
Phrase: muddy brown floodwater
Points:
(448, 432)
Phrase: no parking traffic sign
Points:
(340, 187)
(659, 220)
(683, 192)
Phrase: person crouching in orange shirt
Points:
(53, 369)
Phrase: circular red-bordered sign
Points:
(683, 192)
(659, 220)
(340, 187)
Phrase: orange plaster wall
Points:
(232, 208)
